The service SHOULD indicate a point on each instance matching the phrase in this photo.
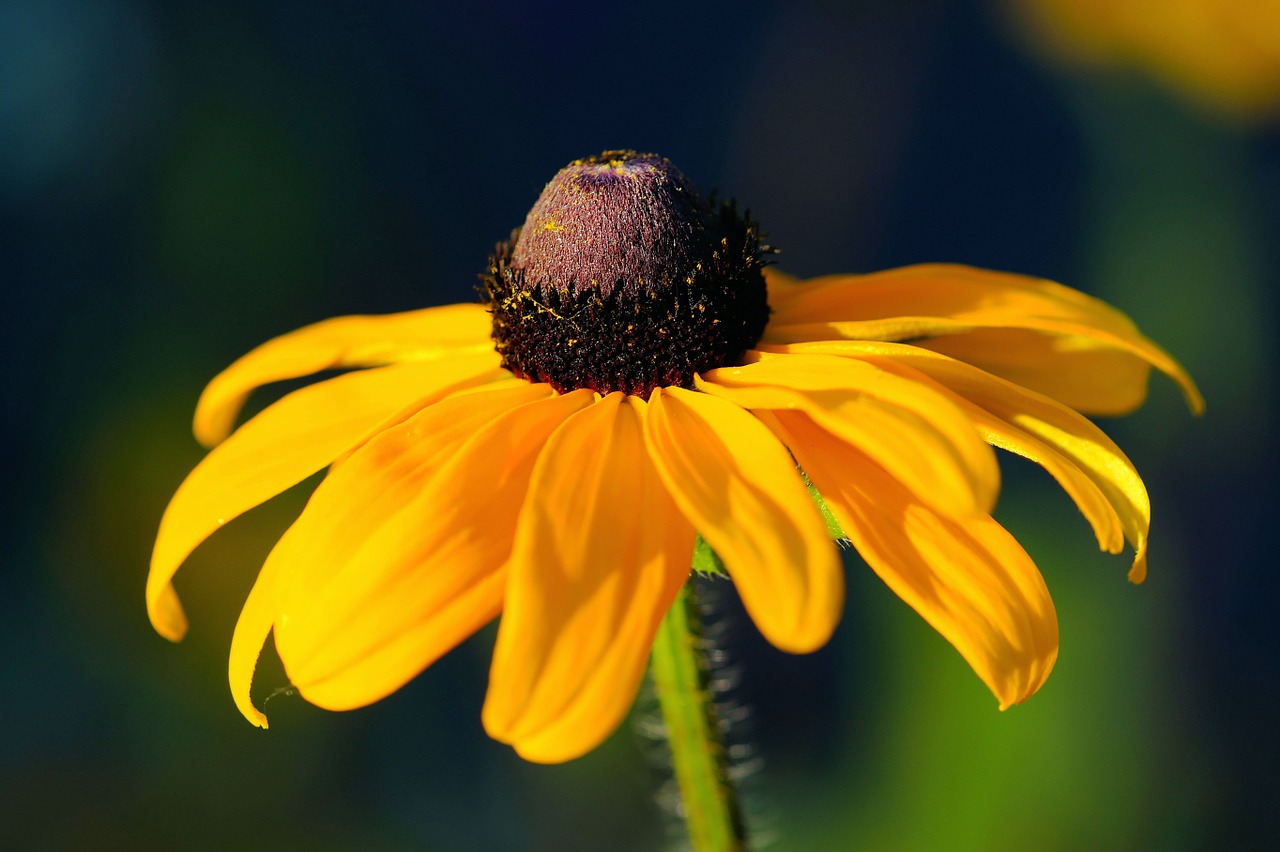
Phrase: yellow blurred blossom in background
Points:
(1224, 54)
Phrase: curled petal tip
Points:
(207, 432)
(240, 694)
(165, 611)
(1138, 573)
(1195, 400)
(1190, 390)
(216, 412)
(1174, 370)
(209, 435)
(255, 717)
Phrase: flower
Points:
(552, 453)
(1224, 54)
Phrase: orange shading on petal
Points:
(910, 429)
(285, 443)
(398, 556)
(1096, 474)
(599, 556)
(352, 341)
(937, 300)
(1080, 372)
(967, 577)
(352, 502)
(743, 493)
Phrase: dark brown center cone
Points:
(625, 277)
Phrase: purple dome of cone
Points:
(619, 219)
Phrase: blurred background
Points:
(181, 181)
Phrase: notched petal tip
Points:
(533, 755)
(550, 753)
(538, 747)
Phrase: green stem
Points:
(681, 676)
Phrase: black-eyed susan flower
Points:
(633, 377)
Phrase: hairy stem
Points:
(681, 676)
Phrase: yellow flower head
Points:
(1223, 53)
(637, 376)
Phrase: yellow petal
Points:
(936, 300)
(382, 477)
(742, 491)
(285, 443)
(252, 628)
(1082, 373)
(353, 341)
(1090, 467)
(374, 484)
(942, 290)
(598, 559)
(968, 578)
(398, 556)
(907, 427)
